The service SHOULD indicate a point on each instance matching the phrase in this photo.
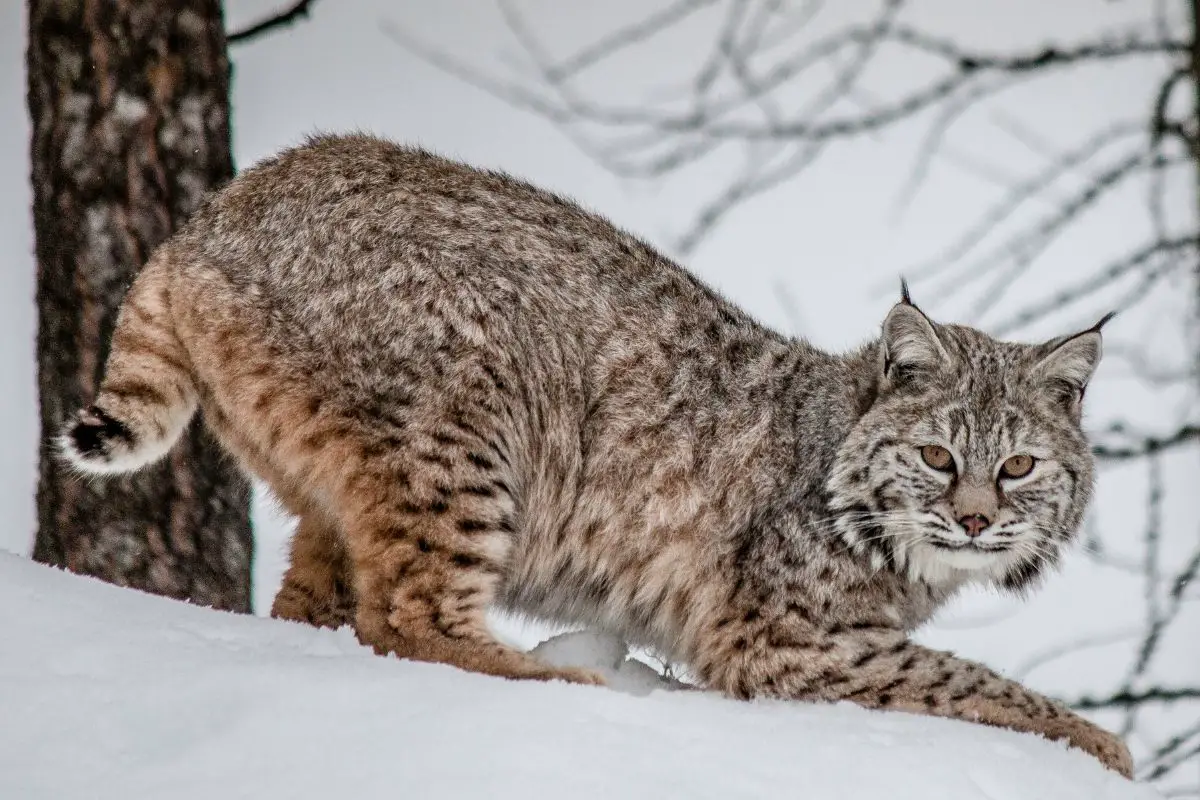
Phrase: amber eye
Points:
(937, 457)
(1017, 467)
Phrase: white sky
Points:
(834, 237)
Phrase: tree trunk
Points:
(130, 109)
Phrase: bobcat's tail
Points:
(148, 394)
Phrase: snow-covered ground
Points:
(110, 693)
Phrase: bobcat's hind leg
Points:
(317, 587)
(428, 554)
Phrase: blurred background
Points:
(1028, 166)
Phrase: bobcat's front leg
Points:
(880, 668)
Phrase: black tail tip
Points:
(94, 433)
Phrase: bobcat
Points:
(472, 391)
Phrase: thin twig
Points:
(1052, 654)
(1018, 197)
(289, 16)
(1126, 699)
(1172, 753)
(1151, 444)
(1141, 260)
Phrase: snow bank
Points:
(110, 693)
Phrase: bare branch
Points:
(751, 183)
(1129, 699)
(1152, 260)
(1149, 445)
(1156, 619)
(1052, 654)
(968, 68)
(933, 142)
(1023, 248)
(791, 309)
(295, 12)
(1172, 753)
(626, 36)
(762, 180)
(520, 98)
(1019, 196)
(1141, 366)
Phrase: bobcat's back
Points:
(359, 239)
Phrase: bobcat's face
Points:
(971, 465)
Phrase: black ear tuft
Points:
(1103, 321)
(905, 297)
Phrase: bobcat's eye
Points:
(1017, 466)
(937, 457)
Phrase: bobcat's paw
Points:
(298, 603)
(587, 677)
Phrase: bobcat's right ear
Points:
(910, 342)
(1069, 363)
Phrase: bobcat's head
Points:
(971, 464)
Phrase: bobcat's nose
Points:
(974, 524)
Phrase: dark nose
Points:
(974, 524)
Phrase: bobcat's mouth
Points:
(944, 545)
(968, 556)
(958, 547)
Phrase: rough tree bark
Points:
(130, 109)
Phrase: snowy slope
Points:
(109, 693)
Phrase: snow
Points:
(111, 693)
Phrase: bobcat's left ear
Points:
(1071, 361)
(910, 345)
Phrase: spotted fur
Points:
(473, 392)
